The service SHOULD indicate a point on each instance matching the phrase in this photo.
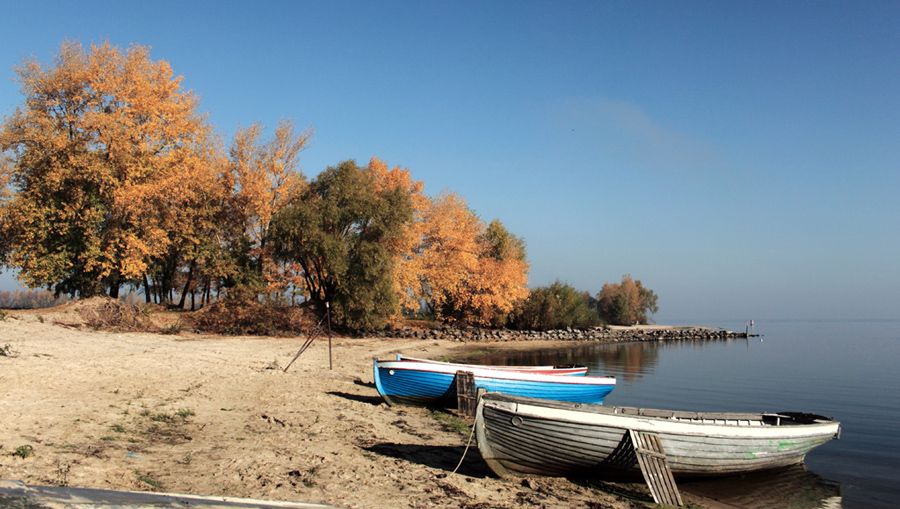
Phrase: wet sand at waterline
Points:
(215, 415)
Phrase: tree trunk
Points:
(147, 296)
(187, 284)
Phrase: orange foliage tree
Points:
(626, 303)
(403, 245)
(468, 272)
(107, 155)
(262, 176)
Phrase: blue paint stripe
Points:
(424, 387)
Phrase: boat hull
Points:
(520, 436)
(424, 384)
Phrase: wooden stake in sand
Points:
(313, 335)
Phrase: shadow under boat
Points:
(444, 458)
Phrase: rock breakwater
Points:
(598, 334)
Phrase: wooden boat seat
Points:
(702, 417)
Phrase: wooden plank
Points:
(655, 467)
(466, 397)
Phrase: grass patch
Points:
(181, 415)
(171, 428)
(146, 479)
(23, 451)
(451, 422)
(7, 351)
(162, 418)
(173, 329)
(62, 472)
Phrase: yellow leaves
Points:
(265, 175)
(459, 273)
(626, 303)
(117, 174)
(110, 153)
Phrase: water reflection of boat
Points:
(521, 436)
(419, 382)
(794, 487)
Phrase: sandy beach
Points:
(213, 415)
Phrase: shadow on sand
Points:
(372, 400)
(444, 458)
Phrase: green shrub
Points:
(557, 306)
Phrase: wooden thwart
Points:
(466, 396)
(655, 467)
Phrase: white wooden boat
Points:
(528, 436)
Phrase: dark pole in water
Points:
(328, 315)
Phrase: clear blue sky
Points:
(742, 159)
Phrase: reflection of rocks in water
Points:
(794, 487)
(628, 361)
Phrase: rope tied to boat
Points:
(466, 450)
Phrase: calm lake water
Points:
(847, 370)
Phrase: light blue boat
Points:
(406, 381)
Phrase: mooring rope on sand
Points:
(466, 450)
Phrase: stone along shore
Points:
(597, 334)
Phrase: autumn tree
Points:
(499, 280)
(557, 306)
(106, 155)
(262, 176)
(340, 230)
(468, 272)
(626, 303)
(6, 172)
(402, 246)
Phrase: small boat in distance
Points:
(409, 381)
(527, 436)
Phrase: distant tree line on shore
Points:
(111, 179)
(561, 306)
(34, 299)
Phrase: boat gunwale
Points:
(574, 368)
(602, 415)
(490, 373)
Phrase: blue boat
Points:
(425, 383)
